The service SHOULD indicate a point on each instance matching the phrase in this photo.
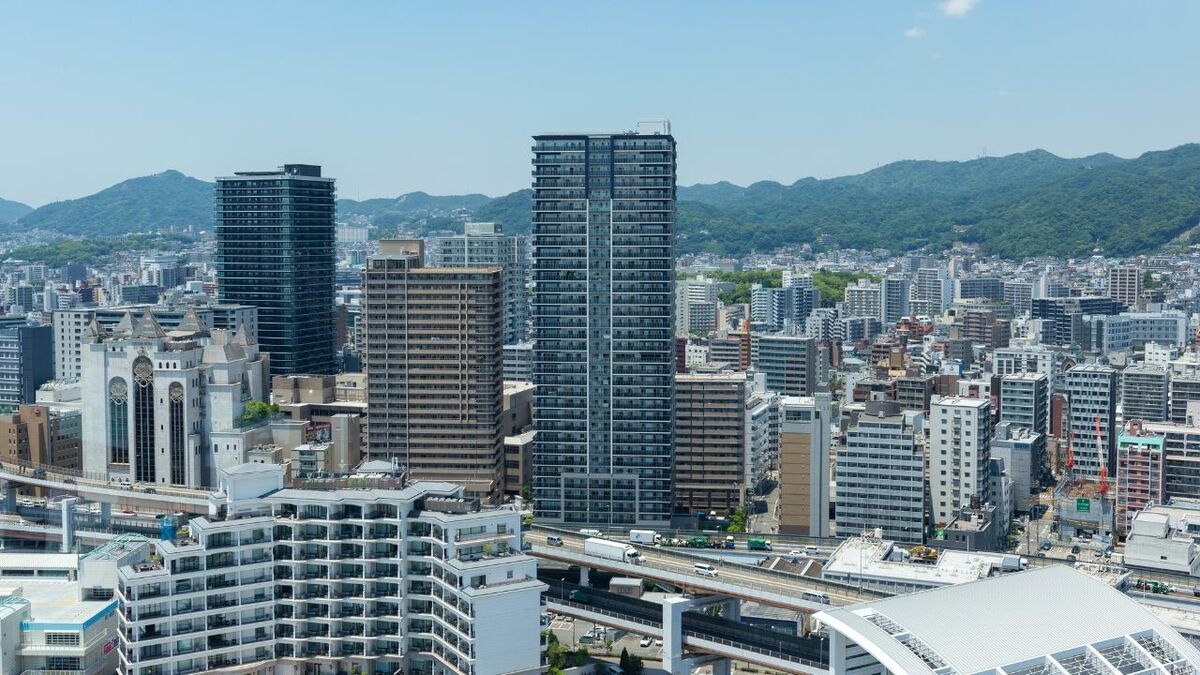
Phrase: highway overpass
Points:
(139, 496)
(687, 630)
(674, 567)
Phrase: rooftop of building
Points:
(960, 401)
(1043, 619)
(869, 557)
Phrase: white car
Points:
(646, 642)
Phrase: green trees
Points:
(738, 520)
(257, 410)
(631, 664)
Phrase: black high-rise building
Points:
(275, 251)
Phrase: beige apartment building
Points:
(434, 362)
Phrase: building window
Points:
(175, 396)
(143, 419)
(66, 639)
(118, 421)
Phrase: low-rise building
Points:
(924, 633)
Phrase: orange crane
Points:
(1103, 462)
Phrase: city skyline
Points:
(808, 78)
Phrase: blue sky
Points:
(443, 96)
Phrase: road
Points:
(679, 562)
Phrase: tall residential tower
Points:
(603, 228)
(435, 368)
(275, 251)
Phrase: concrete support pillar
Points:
(837, 652)
(68, 524)
(105, 515)
(585, 576)
(732, 610)
(9, 503)
(672, 626)
(720, 666)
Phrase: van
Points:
(591, 533)
(554, 540)
(811, 550)
(814, 596)
(704, 570)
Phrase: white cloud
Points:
(914, 33)
(957, 8)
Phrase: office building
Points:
(880, 475)
(789, 363)
(485, 245)
(1141, 473)
(276, 252)
(959, 443)
(1023, 452)
(168, 408)
(805, 424)
(603, 229)
(1025, 401)
(1125, 285)
(1144, 393)
(863, 299)
(918, 634)
(289, 581)
(893, 300)
(71, 326)
(139, 294)
(710, 441)
(435, 367)
(1184, 389)
(1092, 410)
(26, 363)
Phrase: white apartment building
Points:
(959, 442)
(287, 581)
(696, 303)
(880, 475)
(762, 438)
(864, 299)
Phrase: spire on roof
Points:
(93, 328)
(147, 327)
(125, 325)
(242, 338)
(190, 322)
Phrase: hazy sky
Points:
(442, 97)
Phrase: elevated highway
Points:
(675, 567)
(139, 496)
(684, 629)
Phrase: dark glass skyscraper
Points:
(603, 313)
(275, 251)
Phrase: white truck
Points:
(647, 537)
(612, 550)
